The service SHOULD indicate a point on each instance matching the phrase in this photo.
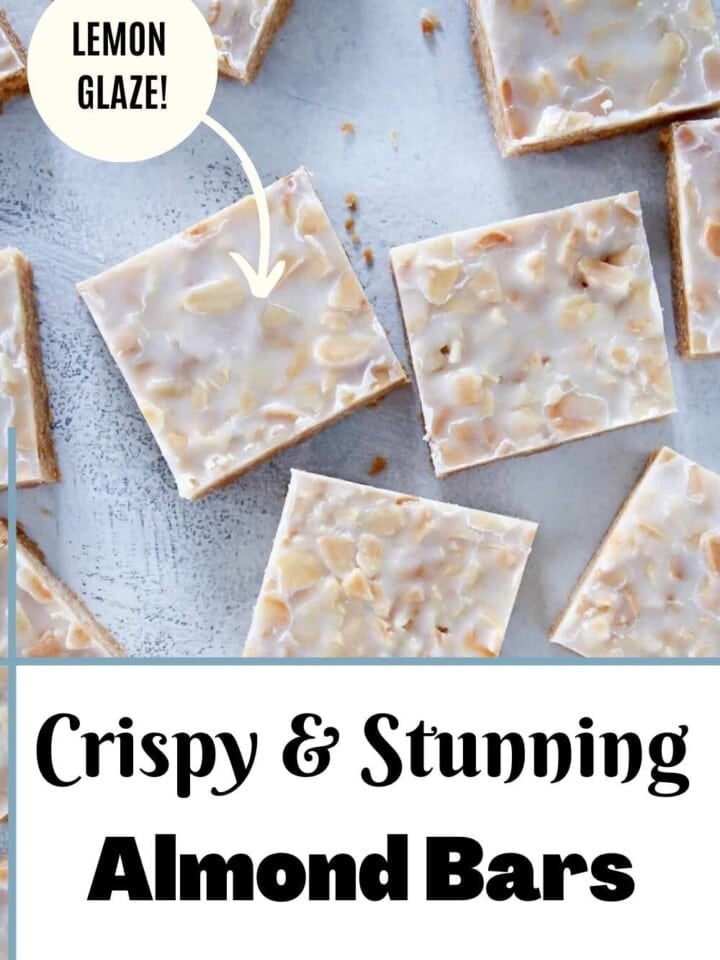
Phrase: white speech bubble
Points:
(122, 80)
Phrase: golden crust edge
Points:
(36, 560)
(269, 30)
(16, 84)
(510, 147)
(38, 385)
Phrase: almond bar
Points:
(51, 620)
(534, 332)
(694, 203)
(653, 587)
(23, 392)
(559, 72)
(243, 30)
(361, 572)
(13, 76)
(226, 380)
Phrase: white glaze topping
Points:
(224, 379)
(47, 626)
(697, 162)
(653, 590)
(572, 67)
(16, 404)
(10, 62)
(237, 26)
(533, 332)
(361, 572)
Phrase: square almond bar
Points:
(361, 572)
(13, 77)
(51, 620)
(559, 72)
(23, 392)
(226, 380)
(530, 333)
(694, 203)
(653, 587)
(243, 30)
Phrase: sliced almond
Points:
(348, 294)
(437, 280)
(299, 569)
(32, 584)
(215, 298)
(311, 218)
(338, 553)
(342, 351)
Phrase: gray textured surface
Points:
(170, 577)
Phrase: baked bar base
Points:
(681, 307)
(510, 148)
(262, 44)
(16, 84)
(590, 568)
(36, 560)
(38, 387)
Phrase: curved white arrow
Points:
(263, 280)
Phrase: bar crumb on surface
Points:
(378, 466)
(430, 22)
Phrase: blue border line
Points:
(12, 662)
(580, 662)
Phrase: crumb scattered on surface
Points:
(378, 466)
(351, 202)
(350, 224)
(394, 139)
(369, 256)
(355, 239)
(348, 129)
(46, 511)
(430, 22)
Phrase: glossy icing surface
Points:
(696, 148)
(569, 67)
(533, 332)
(16, 404)
(237, 26)
(654, 588)
(224, 379)
(361, 572)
